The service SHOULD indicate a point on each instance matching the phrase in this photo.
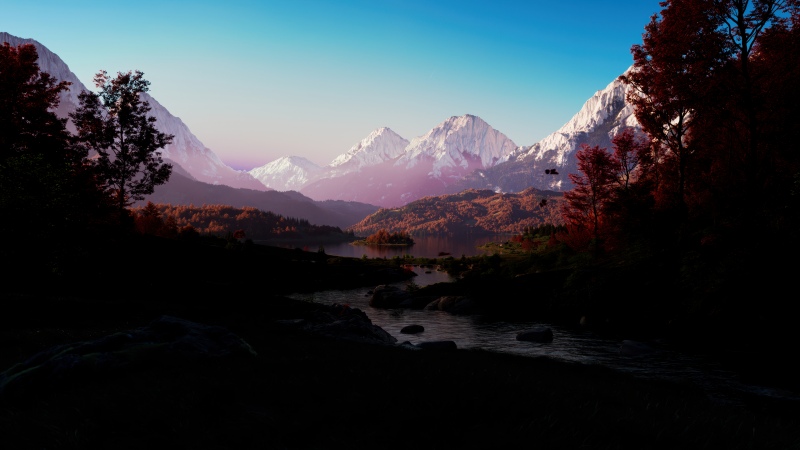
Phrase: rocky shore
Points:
(202, 350)
(280, 373)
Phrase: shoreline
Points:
(302, 381)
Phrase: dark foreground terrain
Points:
(294, 389)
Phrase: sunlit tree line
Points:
(223, 220)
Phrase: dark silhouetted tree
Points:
(46, 187)
(114, 125)
(681, 48)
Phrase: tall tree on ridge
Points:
(115, 126)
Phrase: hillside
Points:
(181, 190)
(221, 220)
(470, 211)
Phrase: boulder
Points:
(538, 334)
(165, 341)
(343, 322)
(412, 329)
(387, 296)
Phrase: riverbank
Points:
(188, 381)
(301, 390)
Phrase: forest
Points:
(470, 211)
(222, 220)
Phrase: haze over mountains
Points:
(460, 153)
(382, 170)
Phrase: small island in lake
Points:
(383, 237)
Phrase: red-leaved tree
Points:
(594, 189)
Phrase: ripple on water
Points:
(577, 346)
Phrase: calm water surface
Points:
(424, 247)
(577, 346)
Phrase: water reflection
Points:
(569, 344)
(424, 247)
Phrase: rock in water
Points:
(538, 334)
(412, 329)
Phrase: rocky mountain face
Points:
(380, 146)
(387, 173)
(603, 116)
(51, 63)
(466, 153)
(186, 150)
(289, 173)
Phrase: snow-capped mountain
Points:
(391, 176)
(380, 146)
(456, 145)
(186, 150)
(289, 173)
(603, 116)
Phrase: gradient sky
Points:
(257, 80)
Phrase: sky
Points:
(259, 80)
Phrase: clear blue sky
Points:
(257, 80)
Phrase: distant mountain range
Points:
(460, 153)
(383, 169)
(199, 176)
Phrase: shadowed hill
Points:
(181, 190)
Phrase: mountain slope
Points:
(181, 190)
(378, 147)
(470, 211)
(289, 173)
(604, 115)
(186, 150)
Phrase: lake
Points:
(424, 247)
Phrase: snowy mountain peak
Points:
(379, 146)
(289, 173)
(457, 144)
(602, 117)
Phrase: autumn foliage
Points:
(714, 88)
(470, 211)
(222, 220)
(383, 237)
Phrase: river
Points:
(569, 344)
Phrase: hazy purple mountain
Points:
(289, 173)
(186, 150)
